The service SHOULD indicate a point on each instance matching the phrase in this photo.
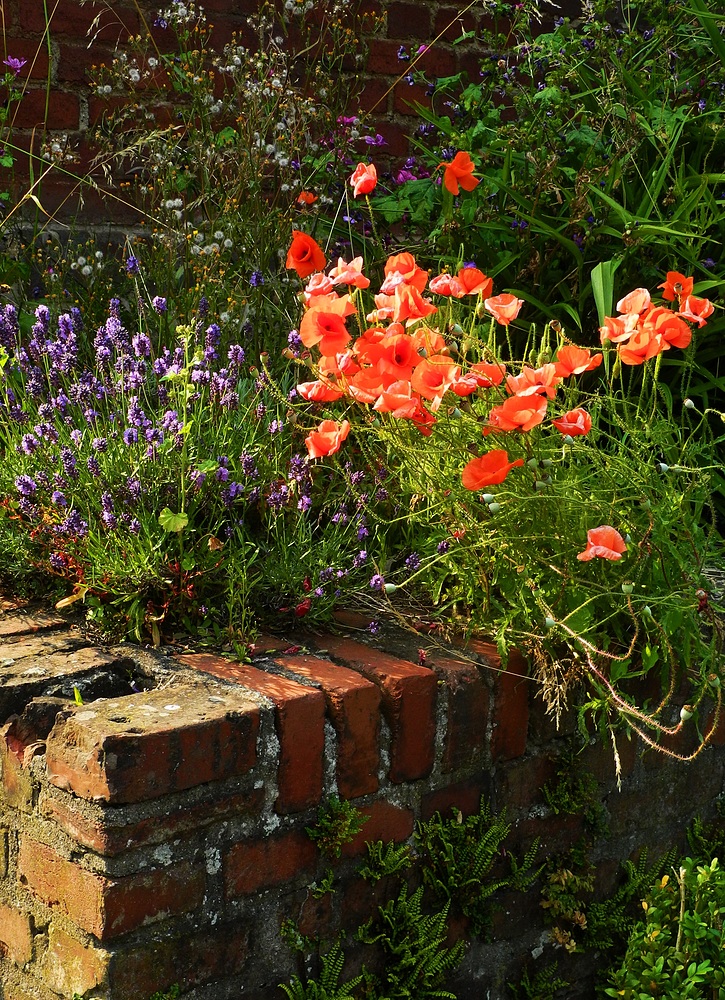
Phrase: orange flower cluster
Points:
(400, 365)
(643, 330)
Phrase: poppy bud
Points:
(662, 467)
(488, 497)
(390, 588)
(688, 404)
(540, 484)
(647, 611)
(533, 463)
(627, 588)
(547, 463)
(494, 507)
(549, 622)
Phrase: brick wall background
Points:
(86, 32)
(156, 833)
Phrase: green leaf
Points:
(173, 522)
(603, 286)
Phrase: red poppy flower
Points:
(532, 381)
(696, 310)
(319, 392)
(504, 308)
(604, 542)
(433, 377)
(575, 360)
(518, 413)
(364, 178)
(574, 423)
(676, 286)
(475, 282)
(488, 470)
(488, 373)
(447, 284)
(405, 265)
(304, 256)
(325, 325)
(306, 198)
(327, 439)
(635, 302)
(459, 172)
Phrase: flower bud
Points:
(662, 467)
(540, 484)
(688, 404)
(494, 507)
(547, 463)
(627, 588)
(488, 497)
(549, 622)
(533, 463)
(390, 588)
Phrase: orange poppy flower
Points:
(534, 380)
(404, 264)
(696, 310)
(434, 377)
(605, 542)
(488, 374)
(676, 286)
(349, 274)
(635, 302)
(318, 284)
(504, 308)
(517, 413)
(364, 178)
(641, 346)
(319, 392)
(662, 322)
(306, 198)
(575, 360)
(574, 423)
(327, 439)
(618, 328)
(475, 282)
(428, 341)
(459, 174)
(447, 284)
(488, 470)
(399, 400)
(304, 256)
(409, 305)
(324, 325)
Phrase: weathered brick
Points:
(300, 722)
(59, 110)
(30, 666)
(385, 822)
(71, 967)
(16, 937)
(409, 20)
(251, 865)
(17, 783)
(3, 852)
(35, 53)
(149, 744)
(463, 795)
(68, 17)
(466, 709)
(511, 690)
(12, 626)
(107, 833)
(353, 704)
(409, 694)
(190, 960)
(108, 907)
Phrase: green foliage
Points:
(463, 862)
(327, 987)
(170, 994)
(543, 986)
(676, 952)
(385, 860)
(412, 942)
(338, 822)
(575, 792)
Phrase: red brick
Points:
(353, 704)
(70, 967)
(36, 54)
(108, 907)
(511, 689)
(70, 18)
(409, 20)
(76, 60)
(251, 865)
(451, 24)
(300, 721)
(106, 835)
(19, 625)
(189, 960)
(62, 110)
(407, 97)
(464, 796)
(374, 96)
(135, 748)
(383, 58)
(386, 822)
(16, 937)
(409, 699)
(467, 710)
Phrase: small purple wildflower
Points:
(25, 486)
(93, 466)
(159, 304)
(412, 563)
(443, 547)
(58, 498)
(130, 436)
(13, 64)
(377, 582)
(374, 627)
(236, 355)
(132, 265)
(256, 278)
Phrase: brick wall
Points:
(86, 33)
(156, 833)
